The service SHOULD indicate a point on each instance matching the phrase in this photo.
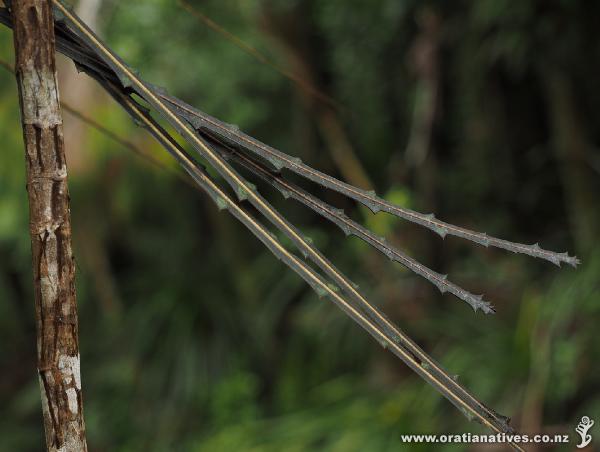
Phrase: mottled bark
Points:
(53, 264)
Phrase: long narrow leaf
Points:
(350, 227)
(401, 346)
(130, 79)
(231, 135)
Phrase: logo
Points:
(584, 425)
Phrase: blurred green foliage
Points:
(194, 338)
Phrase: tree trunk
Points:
(50, 228)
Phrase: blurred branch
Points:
(425, 62)
(571, 149)
(307, 87)
(289, 30)
(338, 142)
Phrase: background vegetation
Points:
(194, 338)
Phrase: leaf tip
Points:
(477, 302)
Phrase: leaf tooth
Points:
(388, 251)
(197, 122)
(333, 287)
(125, 80)
(555, 259)
(138, 123)
(558, 258)
(346, 230)
(242, 192)
(441, 231)
(320, 290)
(439, 281)
(504, 420)
(478, 303)
(221, 203)
(484, 239)
(468, 414)
(233, 128)
(59, 15)
(371, 200)
(277, 163)
(277, 186)
(573, 261)
(158, 89)
(373, 207)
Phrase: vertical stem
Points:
(50, 227)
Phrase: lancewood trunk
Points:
(50, 228)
